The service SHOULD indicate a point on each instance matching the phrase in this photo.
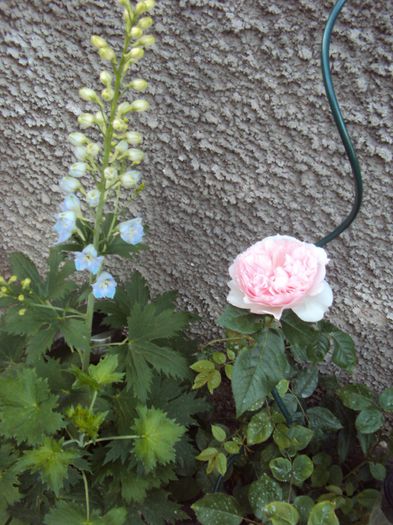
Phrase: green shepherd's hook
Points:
(342, 129)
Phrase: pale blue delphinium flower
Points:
(69, 185)
(88, 259)
(105, 286)
(78, 169)
(65, 225)
(131, 231)
(93, 198)
(71, 203)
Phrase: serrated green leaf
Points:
(203, 365)
(281, 468)
(51, 461)
(157, 437)
(12, 349)
(71, 514)
(322, 418)
(39, 343)
(344, 352)
(217, 509)
(9, 483)
(27, 407)
(369, 421)
(302, 468)
(157, 509)
(262, 492)
(147, 323)
(259, 429)
(356, 397)
(56, 286)
(239, 320)
(23, 268)
(323, 514)
(386, 399)
(76, 334)
(258, 369)
(281, 513)
(306, 382)
(103, 373)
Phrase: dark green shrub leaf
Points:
(262, 492)
(257, 370)
(378, 471)
(239, 320)
(23, 268)
(323, 514)
(367, 498)
(259, 428)
(281, 468)
(218, 433)
(9, 483)
(302, 468)
(297, 332)
(344, 353)
(369, 421)
(299, 436)
(71, 514)
(367, 441)
(356, 397)
(217, 509)
(386, 400)
(304, 504)
(306, 382)
(281, 513)
(323, 419)
(76, 334)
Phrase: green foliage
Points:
(217, 509)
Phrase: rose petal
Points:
(313, 308)
(236, 296)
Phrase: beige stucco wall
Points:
(240, 143)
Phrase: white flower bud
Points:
(93, 150)
(98, 42)
(106, 78)
(119, 125)
(136, 53)
(92, 198)
(150, 4)
(99, 118)
(69, 185)
(138, 84)
(145, 22)
(86, 120)
(135, 155)
(130, 179)
(134, 138)
(88, 94)
(110, 175)
(125, 3)
(122, 146)
(107, 53)
(78, 169)
(147, 40)
(77, 139)
(140, 105)
(142, 7)
(123, 108)
(136, 32)
(80, 152)
(108, 94)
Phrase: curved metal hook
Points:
(338, 118)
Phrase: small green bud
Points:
(138, 84)
(110, 175)
(86, 120)
(135, 155)
(134, 138)
(142, 7)
(107, 94)
(119, 125)
(4, 290)
(136, 53)
(26, 283)
(123, 108)
(150, 4)
(22, 311)
(99, 118)
(98, 42)
(12, 279)
(122, 146)
(145, 22)
(21, 297)
(107, 54)
(77, 139)
(88, 94)
(93, 150)
(147, 40)
(106, 78)
(136, 32)
(125, 3)
(140, 105)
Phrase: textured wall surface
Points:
(240, 143)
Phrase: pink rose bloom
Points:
(281, 272)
